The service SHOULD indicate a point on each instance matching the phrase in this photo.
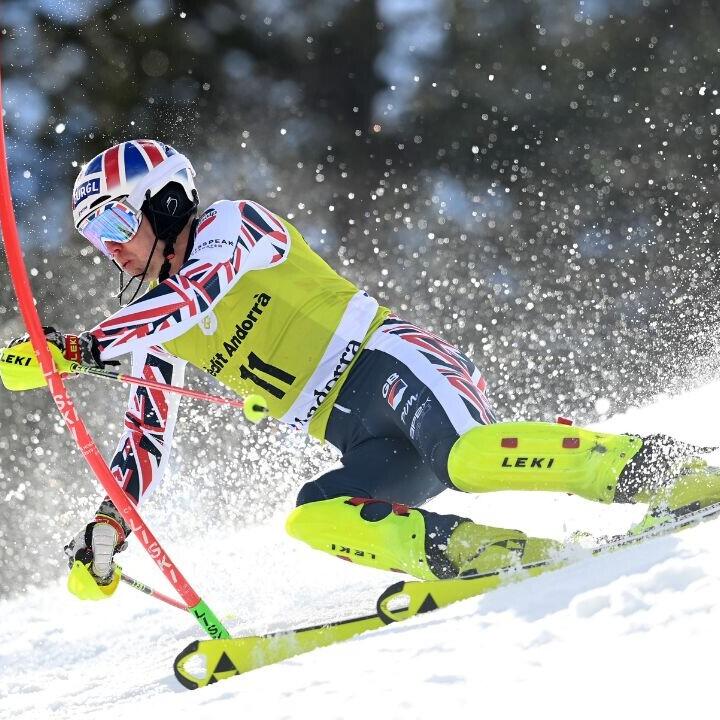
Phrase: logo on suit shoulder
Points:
(393, 390)
(207, 217)
(209, 323)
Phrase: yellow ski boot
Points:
(696, 486)
(479, 549)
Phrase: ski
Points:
(408, 598)
(200, 664)
(204, 662)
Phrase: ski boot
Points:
(480, 549)
(670, 477)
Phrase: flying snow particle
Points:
(602, 405)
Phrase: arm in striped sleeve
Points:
(144, 448)
(232, 239)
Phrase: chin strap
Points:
(169, 255)
(169, 251)
(140, 278)
(167, 227)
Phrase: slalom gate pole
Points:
(26, 303)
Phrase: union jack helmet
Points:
(128, 171)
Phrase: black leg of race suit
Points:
(379, 458)
(392, 450)
(387, 468)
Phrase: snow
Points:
(614, 636)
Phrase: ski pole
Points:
(253, 406)
(155, 385)
(152, 593)
(200, 610)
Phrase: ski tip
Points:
(387, 604)
(184, 678)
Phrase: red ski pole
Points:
(26, 302)
(137, 585)
(254, 406)
(155, 385)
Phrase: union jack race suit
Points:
(254, 307)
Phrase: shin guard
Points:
(541, 456)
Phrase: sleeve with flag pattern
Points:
(233, 237)
(144, 447)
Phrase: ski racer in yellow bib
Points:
(239, 294)
(289, 330)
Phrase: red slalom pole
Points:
(26, 302)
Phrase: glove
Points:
(81, 348)
(96, 545)
(20, 370)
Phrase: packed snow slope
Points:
(631, 634)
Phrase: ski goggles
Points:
(115, 221)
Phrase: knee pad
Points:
(426, 545)
(540, 456)
(375, 533)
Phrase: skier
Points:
(238, 293)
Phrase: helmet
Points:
(136, 173)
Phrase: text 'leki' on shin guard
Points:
(540, 456)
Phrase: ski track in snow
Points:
(633, 632)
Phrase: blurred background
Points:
(535, 180)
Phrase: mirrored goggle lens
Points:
(113, 223)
